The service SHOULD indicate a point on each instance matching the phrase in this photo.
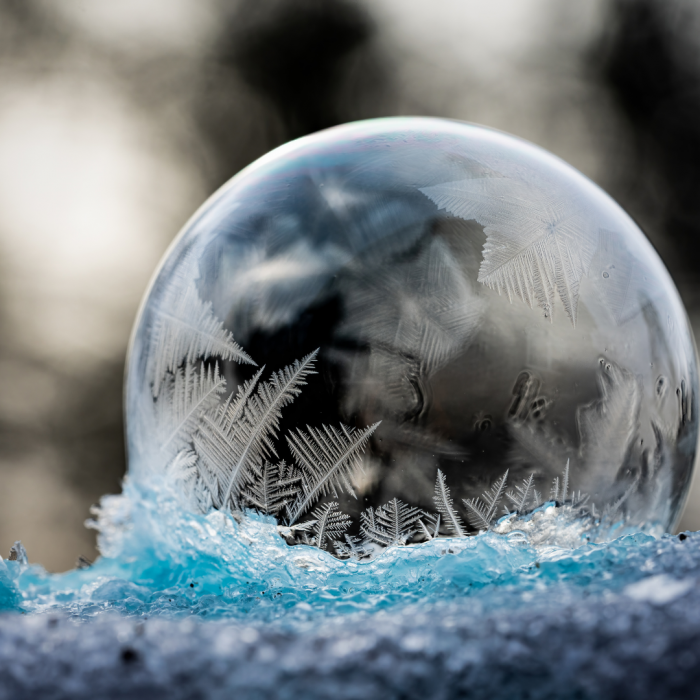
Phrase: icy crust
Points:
(633, 632)
(184, 606)
(159, 560)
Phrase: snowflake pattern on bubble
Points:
(405, 329)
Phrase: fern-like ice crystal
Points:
(560, 488)
(328, 522)
(539, 242)
(351, 547)
(480, 511)
(429, 525)
(185, 328)
(327, 458)
(272, 487)
(392, 524)
(236, 438)
(186, 395)
(519, 497)
(445, 507)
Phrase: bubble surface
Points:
(405, 329)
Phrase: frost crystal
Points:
(241, 433)
(186, 329)
(187, 395)
(327, 524)
(272, 487)
(482, 510)
(326, 458)
(519, 497)
(445, 507)
(539, 243)
(394, 523)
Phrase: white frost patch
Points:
(659, 590)
(549, 526)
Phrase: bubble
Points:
(403, 329)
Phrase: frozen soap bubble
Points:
(404, 328)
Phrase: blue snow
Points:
(184, 605)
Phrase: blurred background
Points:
(117, 119)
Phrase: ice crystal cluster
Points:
(403, 330)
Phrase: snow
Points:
(660, 589)
(187, 606)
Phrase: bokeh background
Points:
(117, 119)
